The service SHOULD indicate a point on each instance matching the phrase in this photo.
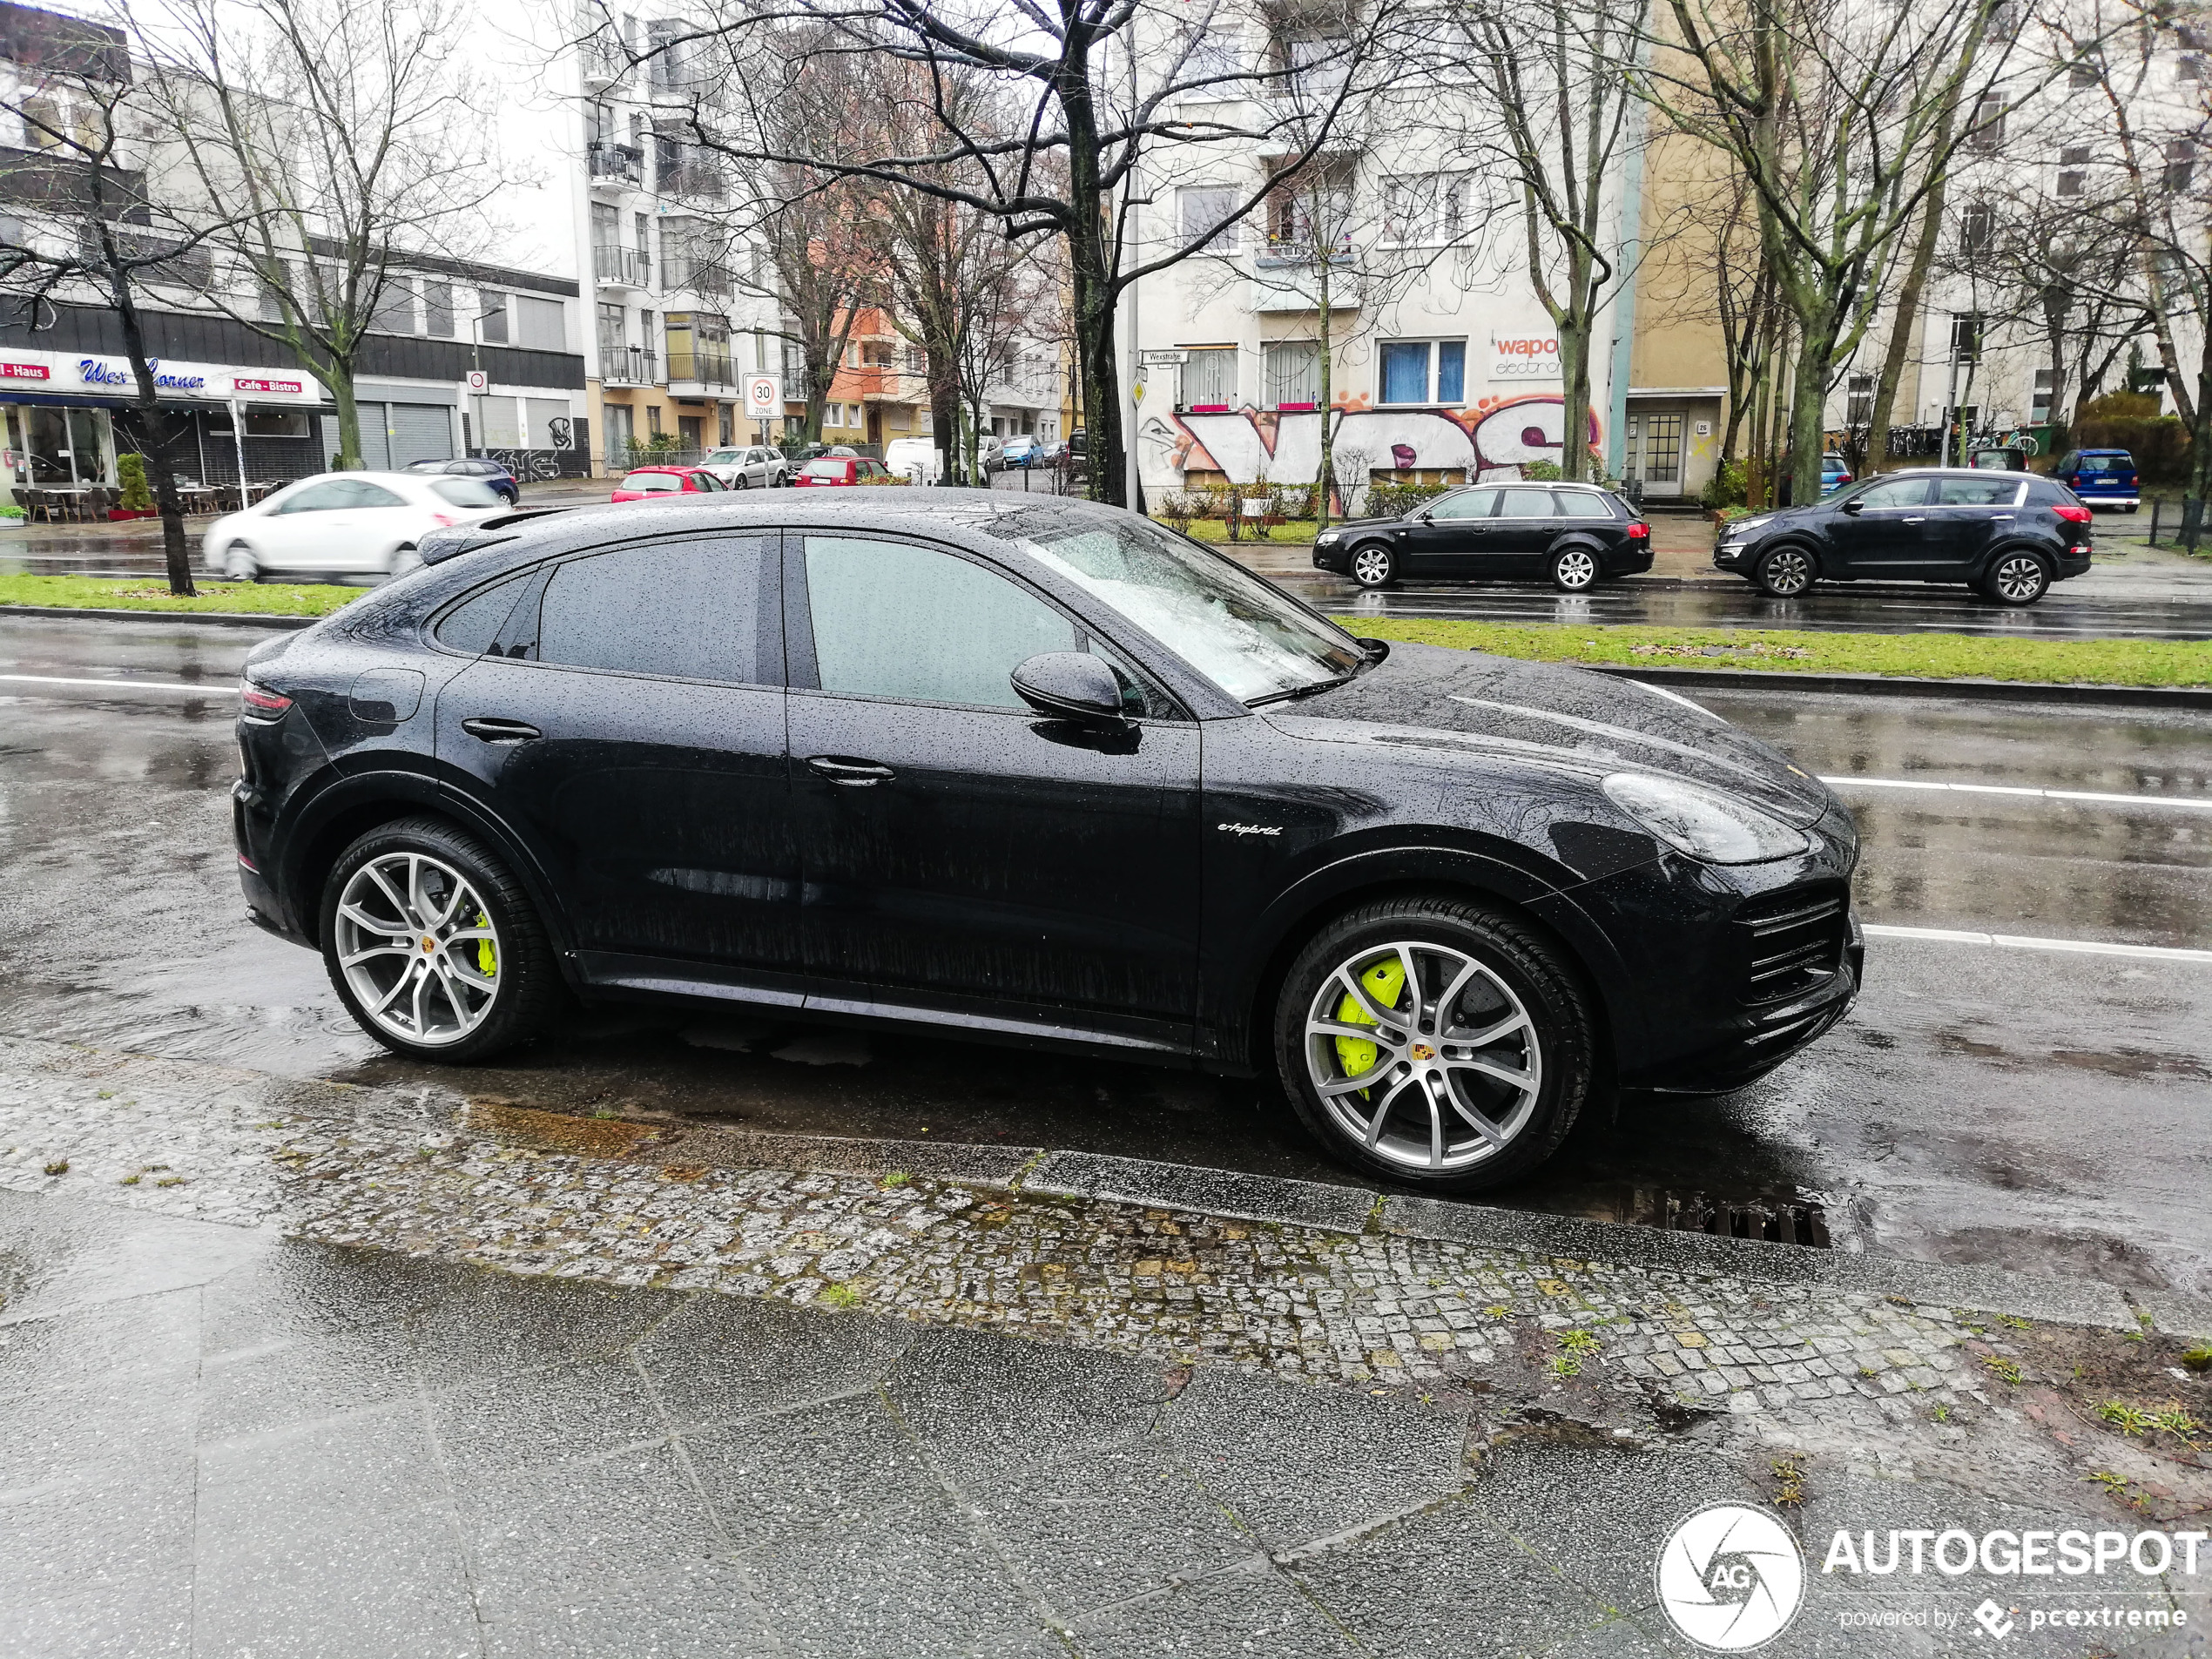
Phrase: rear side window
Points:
(1583, 503)
(466, 492)
(475, 622)
(652, 482)
(1999, 491)
(681, 610)
(893, 620)
(1527, 504)
(364, 494)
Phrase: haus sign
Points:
(112, 376)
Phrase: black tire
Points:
(1576, 570)
(2016, 577)
(739, 483)
(1516, 965)
(529, 990)
(2130, 507)
(1372, 564)
(1786, 572)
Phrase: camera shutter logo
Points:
(1731, 1577)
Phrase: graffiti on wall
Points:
(1492, 439)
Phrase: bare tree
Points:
(1836, 113)
(1093, 105)
(351, 135)
(96, 236)
(1556, 78)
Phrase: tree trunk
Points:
(153, 438)
(2200, 484)
(1575, 378)
(1902, 330)
(339, 378)
(944, 413)
(1808, 410)
(1092, 280)
(1326, 479)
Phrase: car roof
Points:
(678, 471)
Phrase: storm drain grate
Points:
(1781, 1221)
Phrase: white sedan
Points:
(354, 523)
(758, 466)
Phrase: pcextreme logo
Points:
(1731, 1577)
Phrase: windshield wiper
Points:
(1314, 689)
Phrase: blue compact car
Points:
(2101, 477)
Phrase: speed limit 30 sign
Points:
(764, 396)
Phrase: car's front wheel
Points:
(1374, 565)
(1784, 573)
(1434, 1042)
(1574, 569)
(239, 563)
(406, 558)
(433, 944)
(2018, 578)
(738, 482)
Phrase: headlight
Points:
(1702, 822)
(1742, 525)
(1327, 537)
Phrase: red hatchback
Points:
(648, 483)
(838, 469)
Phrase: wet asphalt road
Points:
(2042, 1110)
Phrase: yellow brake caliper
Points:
(488, 958)
(1383, 982)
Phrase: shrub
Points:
(1729, 486)
(1388, 500)
(1542, 472)
(2119, 406)
(894, 479)
(131, 470)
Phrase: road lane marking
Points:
(210, 689)
(2014, 941)
(2183, 803)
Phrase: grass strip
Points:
(152, 593)
(1292, 533)
(1929, 655)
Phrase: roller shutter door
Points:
(421, 432)
(375, 451)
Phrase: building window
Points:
(2081, 76)
(491, 318)
(541, 325)
(395, 307)
(1858, 399)
(1987, 133)
(1427, 207)
(1293, 374)
(2191, 68)
(2181, 163)
(1977, 229)
(1966, 336)
(1210, 380)
(2069, 184)
(1421, 371)
(437, 310)
(2045, 383)
(1205, 206)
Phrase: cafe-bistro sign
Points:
(51, 370)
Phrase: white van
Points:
(915, 458)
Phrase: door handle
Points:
(842, 769)
(500, 730)
(1922, 519)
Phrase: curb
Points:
(220, 618)
(2141, 697)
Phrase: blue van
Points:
(2100, 477)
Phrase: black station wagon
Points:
(1042, 772)
(1575, 535)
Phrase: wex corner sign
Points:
(1524, 357)
(1732, 1577)
(59, 372)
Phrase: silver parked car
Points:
(757, 466)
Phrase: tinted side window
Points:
(1527, 504)
(686, 609)
(318, 498)
(896, 621)
(1583, 503)
(475, 622)
(1900, 492)
(1468, 504)
(1978, 492)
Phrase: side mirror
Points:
(1071, 685)
(1854, 507)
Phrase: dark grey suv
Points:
(2010, 534)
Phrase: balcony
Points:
(697, 373)
(1286, 276)
(700, 276)
(614, 166)
(621, 268)
(626, 366)
(602, 64)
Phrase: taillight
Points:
(1639, 531)
(2074, 514)
(444, 521)
(261, 704)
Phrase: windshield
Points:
(1250, 638)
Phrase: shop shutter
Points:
(421, 432)
(375, 452)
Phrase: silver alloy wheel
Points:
(1574, 568)
(1371, 566)
(1787, 572)
(238, 562)
(2020, 579)
(418, 947)
(1452, 1065)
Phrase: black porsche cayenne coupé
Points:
(1037, 772)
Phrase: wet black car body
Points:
(851, 818)
(1573, 535)
(2009, 534)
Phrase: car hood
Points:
(1547, 713)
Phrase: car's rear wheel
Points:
(1374, 565)
(1784, 573)
(241, 563)
(1435, 1043)
(1574, 569)
(433, 944)
(2017, 578)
